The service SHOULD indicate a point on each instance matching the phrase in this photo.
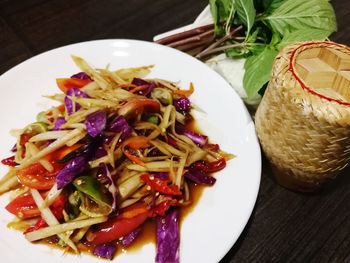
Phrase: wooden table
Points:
(285, 226)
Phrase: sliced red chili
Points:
(39, 224)
(209, 167)
(164, 206)
(216, 165)
(212, 147)
(161, 186)
(10, 161)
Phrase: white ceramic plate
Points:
(213, 227)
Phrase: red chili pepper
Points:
(160, 186)
(172, 141)
(216, 165)
(212, 147)
(10, 161)
(39, 224)
(164, 206)
(209, 167)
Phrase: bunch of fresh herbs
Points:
(269, 26)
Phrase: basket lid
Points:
(323, 68)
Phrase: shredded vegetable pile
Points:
(116, 152)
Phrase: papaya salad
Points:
(116, 152)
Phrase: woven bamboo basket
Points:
(303, 120)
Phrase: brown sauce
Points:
(148, 234)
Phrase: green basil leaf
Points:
(221, 10)
(303, 35)
(300, 14)
(271, 5)
(214, 11)
(258, 70)
(246, 13)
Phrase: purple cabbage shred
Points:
(141, 82)
(105, 251)
(96, 123)
(70, 171)
(199, 177)
(70, 105)
(81, 75)
(130, 238)
(197, 138)
(182, 104)
(59, 122)
(119, 124)
(168, 238)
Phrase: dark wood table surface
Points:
(284, 226)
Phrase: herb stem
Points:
(196, 38)
(207, 51)
(183, 35)
(226, 47)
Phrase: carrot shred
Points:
(134, 158)
(60, 153)
(138, 88)
(127, 86)
(137, 142)
(134, 210)
(61, 108)
(185, 93)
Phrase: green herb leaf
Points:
(258, 70)
(214, 12)
(246, 13)
(303, 35)
(271, 5)
(300, 14)
(221, 10)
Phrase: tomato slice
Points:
(65, 84)
(23, 206)
(121, 225)
(116, 228)
(37, 177)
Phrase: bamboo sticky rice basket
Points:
(303, 120)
